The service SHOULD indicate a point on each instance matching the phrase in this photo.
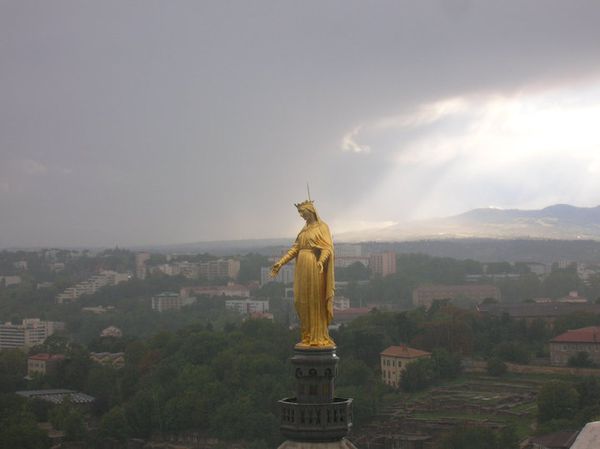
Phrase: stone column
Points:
(315, 418)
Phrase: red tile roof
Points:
(404, 352)
(584, 335)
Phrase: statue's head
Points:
(305, 208)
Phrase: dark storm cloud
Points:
(138, 122)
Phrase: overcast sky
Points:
(148, 122)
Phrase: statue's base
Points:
(340, 444)
(304, 347)
(315, 415)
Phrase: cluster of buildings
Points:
(91, 285)
(236, 298)
(229, 290)
(30, 332)
(211, 270)
(248, 306)
(380, 264)
(425, 295)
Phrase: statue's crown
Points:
(304, 203)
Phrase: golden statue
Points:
(314, 283)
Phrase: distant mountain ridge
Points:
(559, 221)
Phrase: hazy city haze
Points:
(162, 122)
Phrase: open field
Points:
(471, 400)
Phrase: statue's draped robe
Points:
(313, 291)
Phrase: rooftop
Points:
(404, 352)
(584, 335)
(589, 437)
(47, 357)
(57, 396)
(540, 310)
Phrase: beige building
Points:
(140, 264)
(30, 332)
(424, 295)
(112, 359)
(219, 269)
(564, 346)
(394, 360)
(111, 331)
(383, 264)
(42, 364)
(9, 280)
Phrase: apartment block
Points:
(383, 264)
(91, 285)
(170, 301)
(30, 332)
(247, 306)
(219, 269)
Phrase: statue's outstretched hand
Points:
(275, 269)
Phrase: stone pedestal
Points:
(315, 415)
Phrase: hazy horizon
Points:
(139, 123)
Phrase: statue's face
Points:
(306, 214)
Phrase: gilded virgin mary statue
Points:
(314, 283)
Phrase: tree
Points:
(557, 400)
(511, 352)
(581, 360)
(419, 375)
(13, 367)
(250, 266)
(18, 427)
(354, 372)
(114, 424)
(448, 365)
